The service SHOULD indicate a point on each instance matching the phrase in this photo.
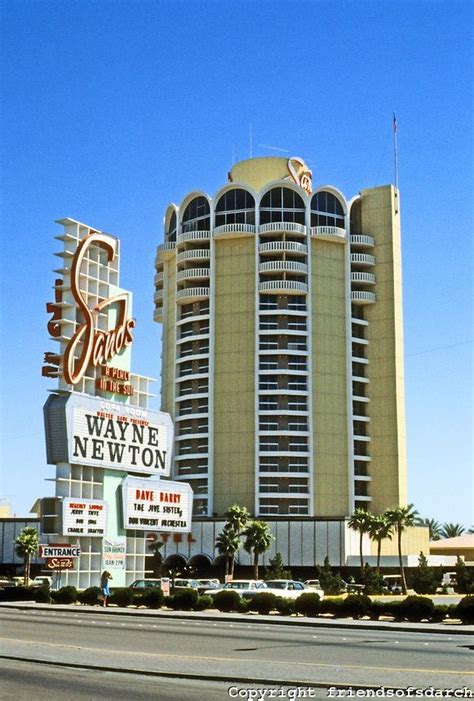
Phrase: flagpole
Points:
(395, 149)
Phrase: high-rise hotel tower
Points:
(282, 358)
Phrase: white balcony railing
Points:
(192, 294)
(193, 254)
(362, 240)
(283, 265)
(234, 229)
(362, 297)
(200, 235)
(289, 286)
(364, 278)
(329, 233)
(193, 273)
(283, 246)
(288, 226)
(362, 259)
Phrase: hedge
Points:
(65, 595)
(308, 604)
(90, 596)
(465, 609)
(263, 602)
(122, 597)
(227, 600)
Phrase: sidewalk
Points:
(213, 615)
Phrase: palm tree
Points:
(227, 543)
(26, 545)
(237, 518)
(258, 539)
(401, 517)
(452, 530)
(360, 521)
(379, 529)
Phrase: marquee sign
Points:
(86, 430)
(150, 505)
(90, 345)
(86, 517)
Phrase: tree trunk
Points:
(361, 555)
(232, 565)
(26, 570)
(255, 565)
(379, 549)
(402, 571)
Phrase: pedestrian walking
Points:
(104, 585)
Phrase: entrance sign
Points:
(64, 550)
(157, 505)
(84, 517)
(108, 435)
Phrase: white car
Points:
(289, 589)
(204, 584)
(243, 587)
(43, 582)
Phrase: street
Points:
(237, 652)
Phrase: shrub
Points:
(308, 604)
(464, 578)
(439, 613)
(90, 596)
(330, 583)
(42, 595)
(65, 595)
(244, 605)
(376, 610)
(356, 606)
(122, 597)
(204, 602)
(373, 580)
(465, 609)
(416, 608)
(263, 602)
(227, 600)
(392, 608)
(17, 594)
(332, 606)
(426, 579)
(285, 606)
(277, 569)
(153, 598)
(183, 599)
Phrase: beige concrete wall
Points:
(385, 352)
(234, 392)
(330, 441)
(414, 541)
(169, 337)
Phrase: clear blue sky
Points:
(113, 109)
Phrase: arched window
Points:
(171, 233)
(236, 206)
(282, 205)
(196, 216)
(356, 217)
(326, 210)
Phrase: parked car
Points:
(352, 587)
(204, 584)
(145, 583)
(7, 583)
(185, 583)
(41, 581)
(312, 584)
(244, 587)
(290, 589)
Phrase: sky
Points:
(110, 110)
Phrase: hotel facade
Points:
(282, 348)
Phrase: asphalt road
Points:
(238, 652)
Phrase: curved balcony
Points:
(188, 417)
(158, 297)
(283, 247)
(192, 294)
(234, 230)
(282, 226)
(158, 279)
(362, 259)
(158, 314)
(287, 266)
(192, 436)
(283, 287)
(200, 235)
(190, 397)
(193, 274)
(362, 240)
(191, 456)
(362, 297)
(194, 254)
(165, 251)
(276, 452)
(328, 233)
(363, 278)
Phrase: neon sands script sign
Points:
(301, 174)
(89, 345)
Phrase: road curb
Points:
(430, 628)
(198, 677)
